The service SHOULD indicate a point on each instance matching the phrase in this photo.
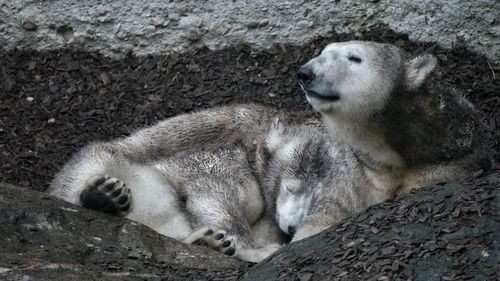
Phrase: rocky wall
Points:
(115, 28)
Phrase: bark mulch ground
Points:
(52, 103)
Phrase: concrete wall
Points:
(161, 27)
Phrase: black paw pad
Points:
(208, 232)
(226, 244)
(122, 200)
(230, 251)
(125, 208)
(108, 186)
(117, 192)
(95, 200)
(100, 180)
(106, 194)
(219, 236)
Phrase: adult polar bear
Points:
(405, 129)
(409, 128)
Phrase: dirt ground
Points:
(52, 103)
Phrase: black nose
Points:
(305, 75)
(291, 230)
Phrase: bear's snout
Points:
(305, 75)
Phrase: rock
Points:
(444, 247)
(43, 238)
(193, 35)
(29, 25)
(94, 23)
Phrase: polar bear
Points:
(391, 127)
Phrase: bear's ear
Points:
(418, 70)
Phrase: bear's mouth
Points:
(316, 95)
(311, 94)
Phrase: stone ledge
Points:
(115, 28)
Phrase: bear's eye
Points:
(291, 189)
(354, 59)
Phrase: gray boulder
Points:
(43, 238)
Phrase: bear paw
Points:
(218, 240)
(106, 194)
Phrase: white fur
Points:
(364, 137)
(252, 203)
(292, 210)
(71, 180)
(288, 149)
(158, 199)
(257, 254)
(360, 87)
(418, 69)
(274, 140)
